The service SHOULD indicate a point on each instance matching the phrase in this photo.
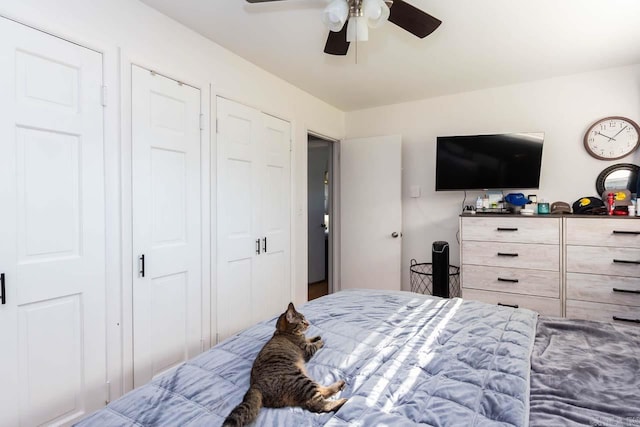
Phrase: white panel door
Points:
(371, 212)
(253, 216)
(239, 130)
(52, 321)
(167, 281)
(273, 282)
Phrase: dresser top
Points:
(499, 215)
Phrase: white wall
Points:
(149, 38)
(563, 108)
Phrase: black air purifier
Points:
(440, 260)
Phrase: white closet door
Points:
(239, 131)
(254, 256)
(273, 290)
(52, 325)
(166, 223)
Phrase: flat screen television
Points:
(489, 162)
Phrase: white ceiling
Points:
(480, 44)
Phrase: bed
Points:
(413, 359)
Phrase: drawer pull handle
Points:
(626, 232)
(507, 229)
(508, 305)
(515, 254)
(626, 261)
(622, 319)
(500, 279)
(627, 291)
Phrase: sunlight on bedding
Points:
(424, 357)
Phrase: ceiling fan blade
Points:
(260, 1)
(337, 43)
(412, 19)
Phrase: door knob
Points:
(394, 234)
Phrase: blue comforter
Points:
(406, 358)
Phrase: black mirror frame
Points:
(602, 177)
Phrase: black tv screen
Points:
(485, 162)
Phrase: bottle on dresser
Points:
(485, 202)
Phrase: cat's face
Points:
(293, 322)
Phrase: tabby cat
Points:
(279, 378)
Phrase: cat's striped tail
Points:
(247, 411)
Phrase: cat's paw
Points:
(319, 344)
(314, 339)
(341, 385)
(339, 403)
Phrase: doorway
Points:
(319, 208)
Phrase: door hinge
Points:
(103, 96)
(216, 125)
(108, 392)
(201, 121)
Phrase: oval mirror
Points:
(623, 176)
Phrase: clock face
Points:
(612, 138)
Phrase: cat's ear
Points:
(291, 313)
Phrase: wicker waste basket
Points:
(421, 278)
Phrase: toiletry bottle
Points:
(479, 203)
(485, 202)
(610, 203)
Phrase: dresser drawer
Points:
(546, 306)
(621, 232)
(513, 280)
(603, 312)
(597, 288)
(603, 260)
(512, 255)
(515, 230)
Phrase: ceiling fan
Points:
(349, 20)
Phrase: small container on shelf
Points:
(543, 208)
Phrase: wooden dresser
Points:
(512, 260)
(603, 268)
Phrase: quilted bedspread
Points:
(406, 358)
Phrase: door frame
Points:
(334, 229)
(127, 60)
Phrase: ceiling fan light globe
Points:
(357, 29)
(335, 15)
(376, 11)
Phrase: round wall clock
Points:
(612, 138)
